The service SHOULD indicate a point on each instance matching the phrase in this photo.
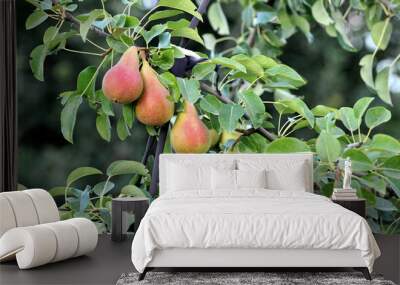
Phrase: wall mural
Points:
(213, 99)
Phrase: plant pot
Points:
(388, 263)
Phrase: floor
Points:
(103, 266)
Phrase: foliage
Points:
(234, 87)
(94, 201)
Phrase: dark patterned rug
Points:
(244, 278)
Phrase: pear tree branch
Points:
(75, 22)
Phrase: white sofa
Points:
(31, 231)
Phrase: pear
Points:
(214, 137)
(226, 136)
(123, 83)
(189, 134)
(154, 107)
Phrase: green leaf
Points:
(217, 19)
(106, 105)
(366, 64)
(298, 106)
(116, 45)
(322, 110)
(391, 167)
(84, 200)
(248, 16)
(304, 26)
(385, 143)
(361, 106)
(128, 114)
(122, 129)
(119, 20)
(374, 182)
(254, 107)
(155, 31)
(175, 25)
(285, 73)
(81, 172)
(38, 56)
(60, 191)
(103, 126)
(68, 116)
(265, 61)
(86, 82)
(328, 147)
(209, 41)
(183, 5)
(359, 160)
(202, 69)
(265, 16)
(255, 143)
(251, 65)
(164, 14)
(88, 21)
(35, 19)
(381, 35)
(341, 27)
(164, 41)
(320, 14)
(132, 191)
(163, 58)
(384, 205)
(229, 115)
(168, 79)
(377, 116)
(348, 118)
(190, 89)
(121, 167)
(211, 104)
(49, 35)
(99, 188)
(229, 63)
(287, 145)
(188, 33)
(71, 8)
(151, 131)
(59, 40)
(131, 22)
(286, 23)
(382, 85)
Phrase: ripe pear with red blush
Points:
(154, 108)
(189, 134)
(123, 83)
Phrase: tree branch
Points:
(247, 132)
(212, 91)
(195, 22)
(252, 37)
(75, 22)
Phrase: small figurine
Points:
(347, 174)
